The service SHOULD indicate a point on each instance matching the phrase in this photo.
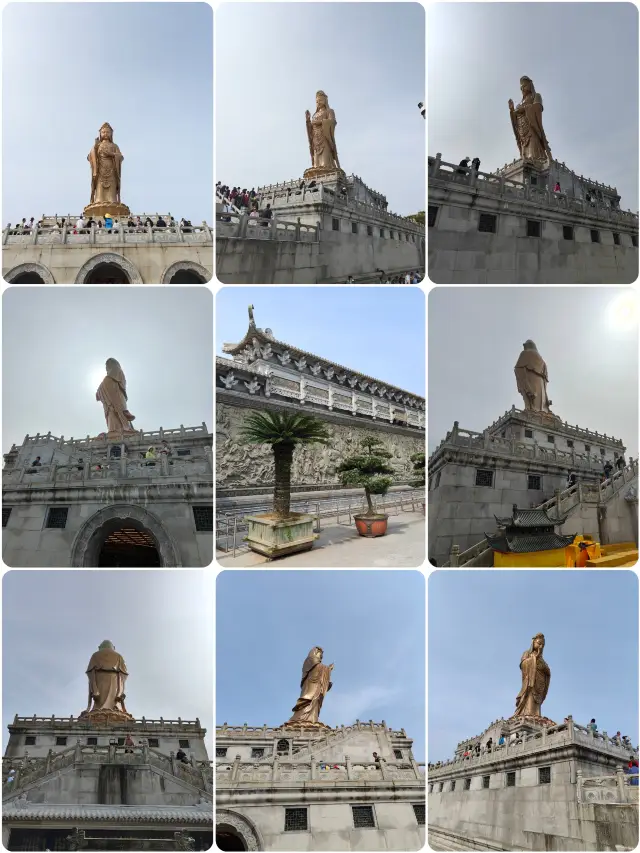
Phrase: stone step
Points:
(621, 558)
(616, 547)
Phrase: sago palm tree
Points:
(283, 432)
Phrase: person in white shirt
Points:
(79, 225)
(407, 278)
(116, 225)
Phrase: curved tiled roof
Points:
(254, 332)
(23, 810)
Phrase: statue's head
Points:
(316, 652)
(106, 644)
(321, 99)
(106, 132)
(530, 345)
(526, 86)
(537, 643)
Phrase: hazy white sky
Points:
(146, 68)
(160, 622)
(583, 60)
(55, 342)
(271, 59)
(476, 335)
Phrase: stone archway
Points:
(185, 272)
(108, 260)
(232, 825)
(87, 546)
(29, 274)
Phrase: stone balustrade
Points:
(145, 436)
(100, 468)
(241, 226)
(287, 771)
(512, 189)
(564, 168)
(52, 236)
(291, 731)
(548, 737)
(576, 431)
(83, 722)
(610, 789)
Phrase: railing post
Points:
(620, 783)
(454, 556)
(234, 769)
(275, 773)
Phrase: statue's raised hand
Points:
(510, 104)
(307, 115)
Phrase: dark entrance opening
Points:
(27, 278)
(107, 274)
(228, 840)
(186, 277)
(128, 547)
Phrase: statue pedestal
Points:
(526, 170)
(101, 209)
(333, 178)
(105, 718)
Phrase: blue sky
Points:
(160, 622)
(583, 60)
(272, 58)
(480, 623)
(588, 337)
(55, 342)
(145, 68)
(371, 625)
(379, 331)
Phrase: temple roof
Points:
(23, 810)
(522, 543)
(522, 518)
(265, 337)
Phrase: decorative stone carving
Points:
(372, 388)
(187, 266)
(342, 378)
(382, 391)
(109, 258)
(353, 381)
(242, 825)
(301, 363)
(253, 386)
(267, 352)
(363, 384)
(229, 380)
(284, 357)
(329, 373)
(316, 368)
(24, 269)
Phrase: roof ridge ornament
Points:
(252, 322)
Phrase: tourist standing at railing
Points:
(79, 225)
(632, 770)
(148, 221)
(475, 164)
(129, 744)
(608, 468)
(161, 223)
(267, 213)
(254, 211)
(620, 463)
(464, 162)
(592, 727)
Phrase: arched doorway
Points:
(186, 277)
(107, 274)
(228, 839)
(185, 272)
(124, 535)
(108, 268)
(29, 274)
(130, 546)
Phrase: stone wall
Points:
(239, 464)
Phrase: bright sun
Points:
(96, 376)
(622, 312)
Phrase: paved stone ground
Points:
(339, 546)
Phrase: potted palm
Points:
(281, 531)
(370, 471)
(419, 480)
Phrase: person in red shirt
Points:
(583, 556)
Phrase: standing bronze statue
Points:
(322, 140)
(112, 393)
(105, 159)
(314, 686)
(536, 676)
(532, 378)
(107, 674)
(526, 120)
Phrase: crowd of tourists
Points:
(109, 223)
(408, 277)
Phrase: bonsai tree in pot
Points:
(370, 471)
(419, 481)
(282, 532)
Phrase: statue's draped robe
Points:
(529, 130)
(313, 688)
(536, 676)
(532, 378)
(323, 141)
(106, 161)
(107, 675)
(112, 393)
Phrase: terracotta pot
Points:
(371, 525)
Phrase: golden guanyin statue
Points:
(105, 159)
(314, 686)
(536, 676)
(322, 140)
(526, 120)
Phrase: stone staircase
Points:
(334, 737)
(222, 200)
(564, 503)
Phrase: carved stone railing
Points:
(241, 226)
(510, 189)
(563, 502)
(618, 789)
(27, 770)
(68, 236)
(244, 731)
(547, 738)
(285, 770)
(142, 435)
(582, 433)
(139, 723)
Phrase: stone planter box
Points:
(277, 538)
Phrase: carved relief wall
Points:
(239, 464)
